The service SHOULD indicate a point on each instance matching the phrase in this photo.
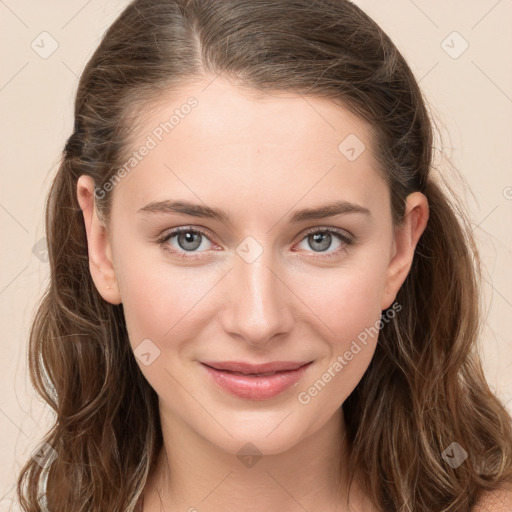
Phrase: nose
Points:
(257, 306)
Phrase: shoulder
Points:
(495, 501)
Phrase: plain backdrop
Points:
(459, 51)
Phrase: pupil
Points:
(188, 237)
(325, 237)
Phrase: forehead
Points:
(215, 141)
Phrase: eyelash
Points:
(346, 240)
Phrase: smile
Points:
(252, 381)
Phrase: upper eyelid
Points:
(334, 230)
(181, 229)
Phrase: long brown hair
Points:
(424, 389)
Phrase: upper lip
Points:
(248, 369)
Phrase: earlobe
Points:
(406, 238)
(98, 243)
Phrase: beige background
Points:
(470, 93)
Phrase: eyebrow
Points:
(197, 210)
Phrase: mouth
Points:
(256, 381)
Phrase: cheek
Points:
(159, 302)
(164, 313)
(349, 308)
(348, 300)
(166, 303)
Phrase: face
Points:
(255, 275)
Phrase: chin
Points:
(263, 433)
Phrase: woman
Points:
(261, 298)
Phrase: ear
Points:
(406, 237)
(100, 254)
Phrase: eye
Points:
(187, 240)
(320, 239)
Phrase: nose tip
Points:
(257, 309)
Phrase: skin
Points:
(260, 158)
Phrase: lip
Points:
(245, 380)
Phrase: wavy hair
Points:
(424, 388)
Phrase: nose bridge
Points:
(257, 305)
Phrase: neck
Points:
(192, 473)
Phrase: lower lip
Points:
(256, 388)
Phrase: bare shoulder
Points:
(495, 501)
